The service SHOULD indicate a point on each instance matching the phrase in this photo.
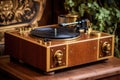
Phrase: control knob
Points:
(106, 47)
(58, 56)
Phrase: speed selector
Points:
(106, 47)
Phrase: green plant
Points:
(105, 16)
(69, 6)
(72, 6)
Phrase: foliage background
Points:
(104, 14)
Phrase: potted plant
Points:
(105, 15)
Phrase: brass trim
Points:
(98, 47)
(113, 44)
(48, 60)
(67, 48)
(105, 57)
(57, 68)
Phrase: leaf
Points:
(118, 14)
(116, 40)
(110, 30)
(89, 5)
(108, 22)
(94, 27)
(117, 52)
(100, 17)
(71, 3)
(95, 4)
(101, 27)
(81, 9)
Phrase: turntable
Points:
(52, 47)
(55, 47)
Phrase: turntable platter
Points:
(55, 33)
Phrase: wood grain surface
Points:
(91, 71)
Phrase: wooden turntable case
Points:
(58, 54)
(55, 54)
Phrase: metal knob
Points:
(106, 47)
(58, 56)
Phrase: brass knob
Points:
(58, 56)
(106, 47)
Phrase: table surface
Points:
(92, 71)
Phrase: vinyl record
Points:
(55, 33)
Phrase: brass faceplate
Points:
(58, 57)
(106, 48)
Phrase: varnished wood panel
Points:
(82, 53)
(12, 46)
(33, 54)
(26, 51)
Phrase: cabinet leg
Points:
(50, 73)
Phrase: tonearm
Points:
(82, 24)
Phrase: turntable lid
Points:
(20, 12)
(55, 33)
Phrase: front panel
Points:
(82, 52)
